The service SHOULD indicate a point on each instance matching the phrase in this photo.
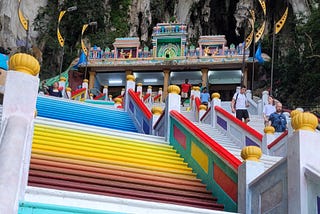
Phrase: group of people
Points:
(272, 112)
(186, 89)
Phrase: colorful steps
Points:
(84, 113)
(80, 161)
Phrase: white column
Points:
(131, 84)
(303, 155)
(62, 85)
(250, 169)
(68, 93)
(85, 85)
(139, 90)
(216, 101)
(19, 106)
(172, 103)
(149, 91)
(106, 92)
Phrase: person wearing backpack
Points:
(239, 104)
(278, 119)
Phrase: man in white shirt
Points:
(239, 104)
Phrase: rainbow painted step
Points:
(75, 160)
(74, 111)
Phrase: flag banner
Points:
(258, 55)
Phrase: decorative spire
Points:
(252, 153)
(174, 89)
(215, 95)
(304, 121)
(24, 63)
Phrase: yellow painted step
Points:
(95, 136)
(107, 153)
(140, 165)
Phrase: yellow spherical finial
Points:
(252, 153)
(174, 89)
(24, 63)
(304, 121)
(63, 79)
(118, 100)
(203, 107)
(86, 80)
(105, 86)
(160, 89)
(139, 84)
(196, 88)
(215, 95)
(131, 78)
(295, 112)
(149, 87)
(68, 89)
(156, 110)
(269, 130)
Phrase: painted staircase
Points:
(227, 142)
(72, 157)
(86, 113)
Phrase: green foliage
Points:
(112, 23)
(297, 73)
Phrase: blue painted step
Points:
(86, 114)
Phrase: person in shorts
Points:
(239, 105)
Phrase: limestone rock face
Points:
(12, 33)
(203, 17)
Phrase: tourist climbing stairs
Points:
(87, 159)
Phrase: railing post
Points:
(131, 84)
(160, 92)
(202, 111)
(215, 102)
(19, 107)
(156, 113)
(268, 138)
(250, 169)
(62, 84)
(106, 92)
(139, 90)
(149, 91)
(68, 93)
(172, 103)
(303, 156)
(85, 85)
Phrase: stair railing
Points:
(214, 165)
(139, 112)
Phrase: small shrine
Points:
(169, 40)
(126, 48)
(212, 45)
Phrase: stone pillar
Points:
(131, 84)
(92, 76)
(18, 113)
(204, 72)
(215, 101)
(156, 112)
(160, 92)
(139, 90)
(68, 93)
(196, 94)
(303, 159)
(62, 86)
(110, 97)
(172, 103)
(250, 169)
(202, 111)
(166, 78)
(105, 92)
(149, 91)
(85, 85)
(267, 139)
